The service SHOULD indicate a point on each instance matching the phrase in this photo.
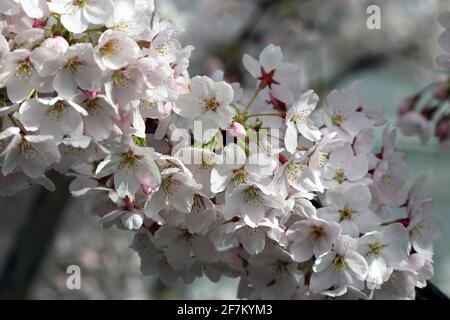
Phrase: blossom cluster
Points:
(302, 209)
(426, 114)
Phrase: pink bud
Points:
(147, 189)
(59, 44)
(129, 203)
(407, 105)
(442, 131)
(237, 130)
(39, 24)
(90, 94)
(441, 93)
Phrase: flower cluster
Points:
(303, 209)
(427, 113)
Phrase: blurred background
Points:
(42, 233)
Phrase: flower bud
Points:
(441, 93)
(90, 94)
(237, 130)
(59, 44)
(39, 24)
(407, 105)
(442, 131)
(428, 112)
(129, 203)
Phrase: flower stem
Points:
(252, 100)
(276, 114)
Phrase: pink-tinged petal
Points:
(18, 90)
(253, 240)
(126, 183)
(74, 21)
(271, 57)
(64, 83)
(321, 281)
(356, 123)
(359, 167)
(349, 227)
(393, 232)
(31, 113)
(187, 106)
(12, 156)
(36, 9)
(252, 214)
(324, 261)
(204, 249)
(98, 11)
(358, 197)
(302, 250)
(252, 65)
(177, 255)
(357, 264)
(290, 138)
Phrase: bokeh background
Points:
(42, 233)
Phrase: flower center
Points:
(301, 117)
(120, 78)
(92, 107)
(337, 119)
(73, 64)
(147, 104)
(252, 195)
(28, 150)
(187, 237)
(339, 263)
(210, 103)
(23, 70)
(110, 47)
(239, 176)
(375, 249)
(129, 160)
(162, 49)
(317, 232)
(346, 213)
(169, 185)
(323, 158)
(80, 3)
(207, 161)
(197, 205)
(293, 171)
(57, 111)
(122, 26)
(339, 175)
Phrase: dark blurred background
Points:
(42, 233)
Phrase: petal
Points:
(321, 281)
(36, 9)
(74, 21)
(98, 11)
(18, 90)
(350, 228)
(252, 65)
(358, 197)
(357, 264)
(252, 214)
(302, 250)
(290, 138)
(64, 83)
(253, 240)
(271, 57)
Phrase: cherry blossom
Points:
(76, 15)
(350, 207)
(296, 203)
